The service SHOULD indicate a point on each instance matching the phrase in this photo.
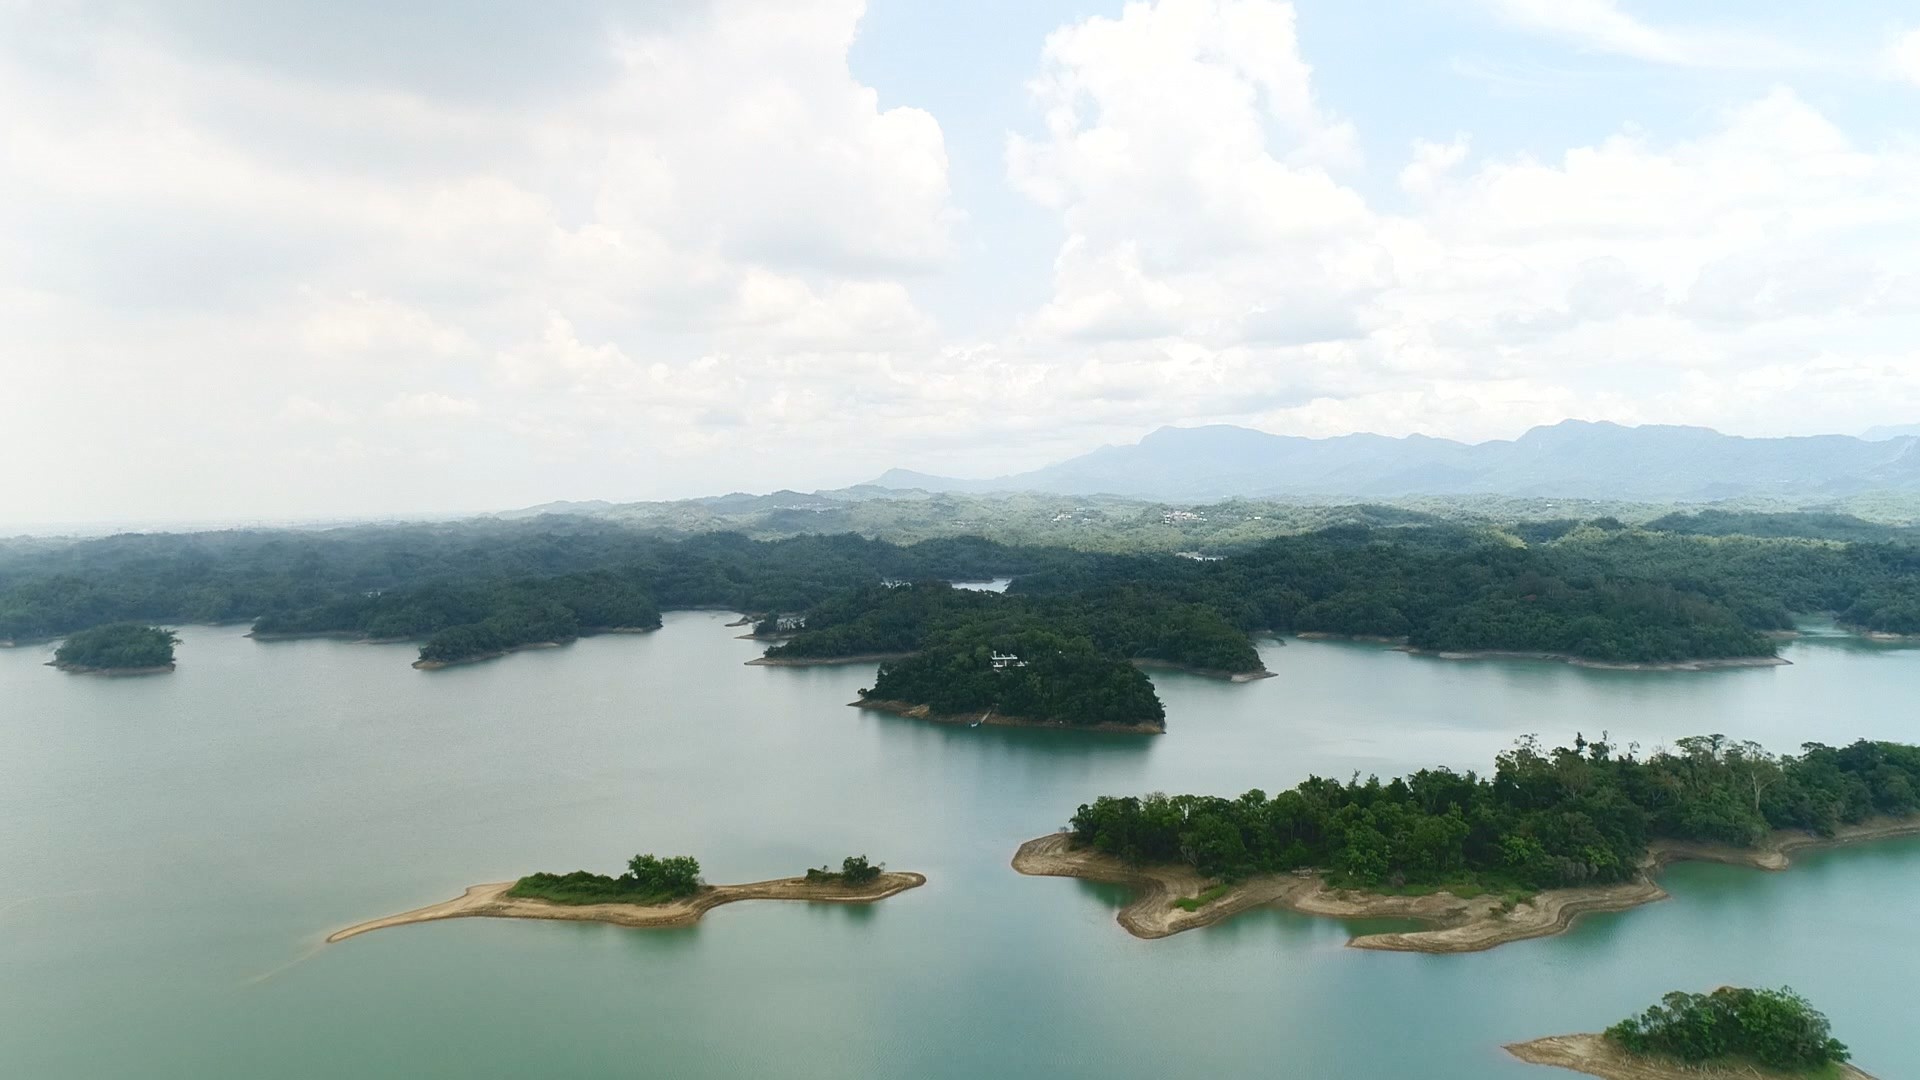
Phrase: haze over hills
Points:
(1572, 459)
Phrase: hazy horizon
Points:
(343, 261)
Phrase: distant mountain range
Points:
(1573, 459)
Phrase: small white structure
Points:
(1003, 661)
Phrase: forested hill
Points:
(1596, 590)
(1619, 595)
(1542, 819)
(116, 647)
(490, 584)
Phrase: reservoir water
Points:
(173, 849)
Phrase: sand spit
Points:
(826, 661)
(492, 902)
(990, 718)
(1458, 925)
(1708, 664)
(1595, 1056)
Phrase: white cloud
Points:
(1157, 155)
(1431, 162)
(429, 404)
(1601, 26)
(1905, 56)
(693, 256)
(1515, 291)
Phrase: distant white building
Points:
(1003, 661)
(1196, 556)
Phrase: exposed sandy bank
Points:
(110, 672)
(1328, 635)
(994, 719)
(826, 661)
(1596, 1056)
(1211, 673)
(1457, 925)
(491, 901)
(1706, 664)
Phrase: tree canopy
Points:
(1775, 1029)
(117, 646)
(650, 879)
(1598, 589)
(1544, 818)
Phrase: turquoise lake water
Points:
(175, 848)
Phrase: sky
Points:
(293, 260)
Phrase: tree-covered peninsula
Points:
(1731, 1032)
(1578, 815)
(117, 648)
(1774, 1029)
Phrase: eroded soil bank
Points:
(1595, 1056)
(1456, 924)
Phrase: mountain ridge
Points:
(1571, 459)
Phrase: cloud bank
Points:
(346, 260)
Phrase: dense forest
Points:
(1544, 818)
(1119, 620)
(1599, 589)
(487, 585)
(117, 647)
(1777, 1030)
(1049, 677)
(650, 879)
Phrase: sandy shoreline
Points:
(1457, 925)
(110, 672)
(993, 719)
(491, 902)
(826, 661)
(1705, 664)
(1594, 1055)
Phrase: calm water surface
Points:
(175, 848)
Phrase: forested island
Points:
(1515, 854)
(655, 891)
(1731, 1032)
(1595, 591)
(117, 649)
